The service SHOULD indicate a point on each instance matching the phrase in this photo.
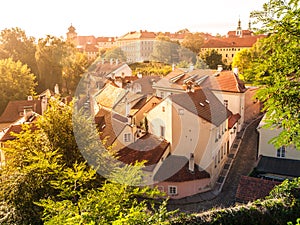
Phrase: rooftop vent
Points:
(176, 78)
(190, 78)
(207, 101)
(201, 104)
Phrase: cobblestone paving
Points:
(243, 164)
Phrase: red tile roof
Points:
(233, 119)
(232, 42)
(251, 188)
(176, 169)
(90, 48)
(204, 104)
(147, 148)
(104, 69)
(105, 39)
(225, 81)
(138, 35)
(14, 110)
(146, 83)
(8, 136)
(109, 127)
(82, 40)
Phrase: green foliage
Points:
(112, 203)
(115, 53)
(16, 81)
(244, 60)
(74, 66)
(15, 44)
(47, 181)
(281, 206)
(193, 41)
(165, 50)
(151, 68)
(277, 68)
(212, 59)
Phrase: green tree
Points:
(212, 59)
(74, 66)
(277, 68)
(115, 53)
(16, 82)
(46, 179)
(15, 44)
(165, 50)
(243, 61)
(193, 41)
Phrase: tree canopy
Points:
(16, 81)
(46, 180)
(276, 68)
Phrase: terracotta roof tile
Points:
(104, 69)
(233, 119)
(232, 42)
(251, 188)
(8, 136)
(109, 96)
(109, 127)
(148, 148)
(176, 169)
(225, 81)
(204, 104)
(82, 40)
(146, 83)
(15, 109)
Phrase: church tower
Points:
(239, 29)
(72, 35)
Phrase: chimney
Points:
(117, 61)
(139, 75)
(44, 103)
(236, 70)
(191, 68)
(127, 108)
(173, 66)
(191, 163)
(56, 89)
(220, 68)
(103, 61)
(111, 61)
(29, 98)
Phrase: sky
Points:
(117, 17)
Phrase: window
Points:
(172, 190)
(216, 163)
(127, 137)
(162, 131)
(216, 134)
(281, 152)
(163, 109)
(219, 158)
(180, 111)
(226, 103)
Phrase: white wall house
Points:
(265, 148)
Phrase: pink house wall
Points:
(186, 188)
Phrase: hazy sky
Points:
(117, 17)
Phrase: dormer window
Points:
(127, 137)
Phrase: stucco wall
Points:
(186, 188)
(268, 149)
